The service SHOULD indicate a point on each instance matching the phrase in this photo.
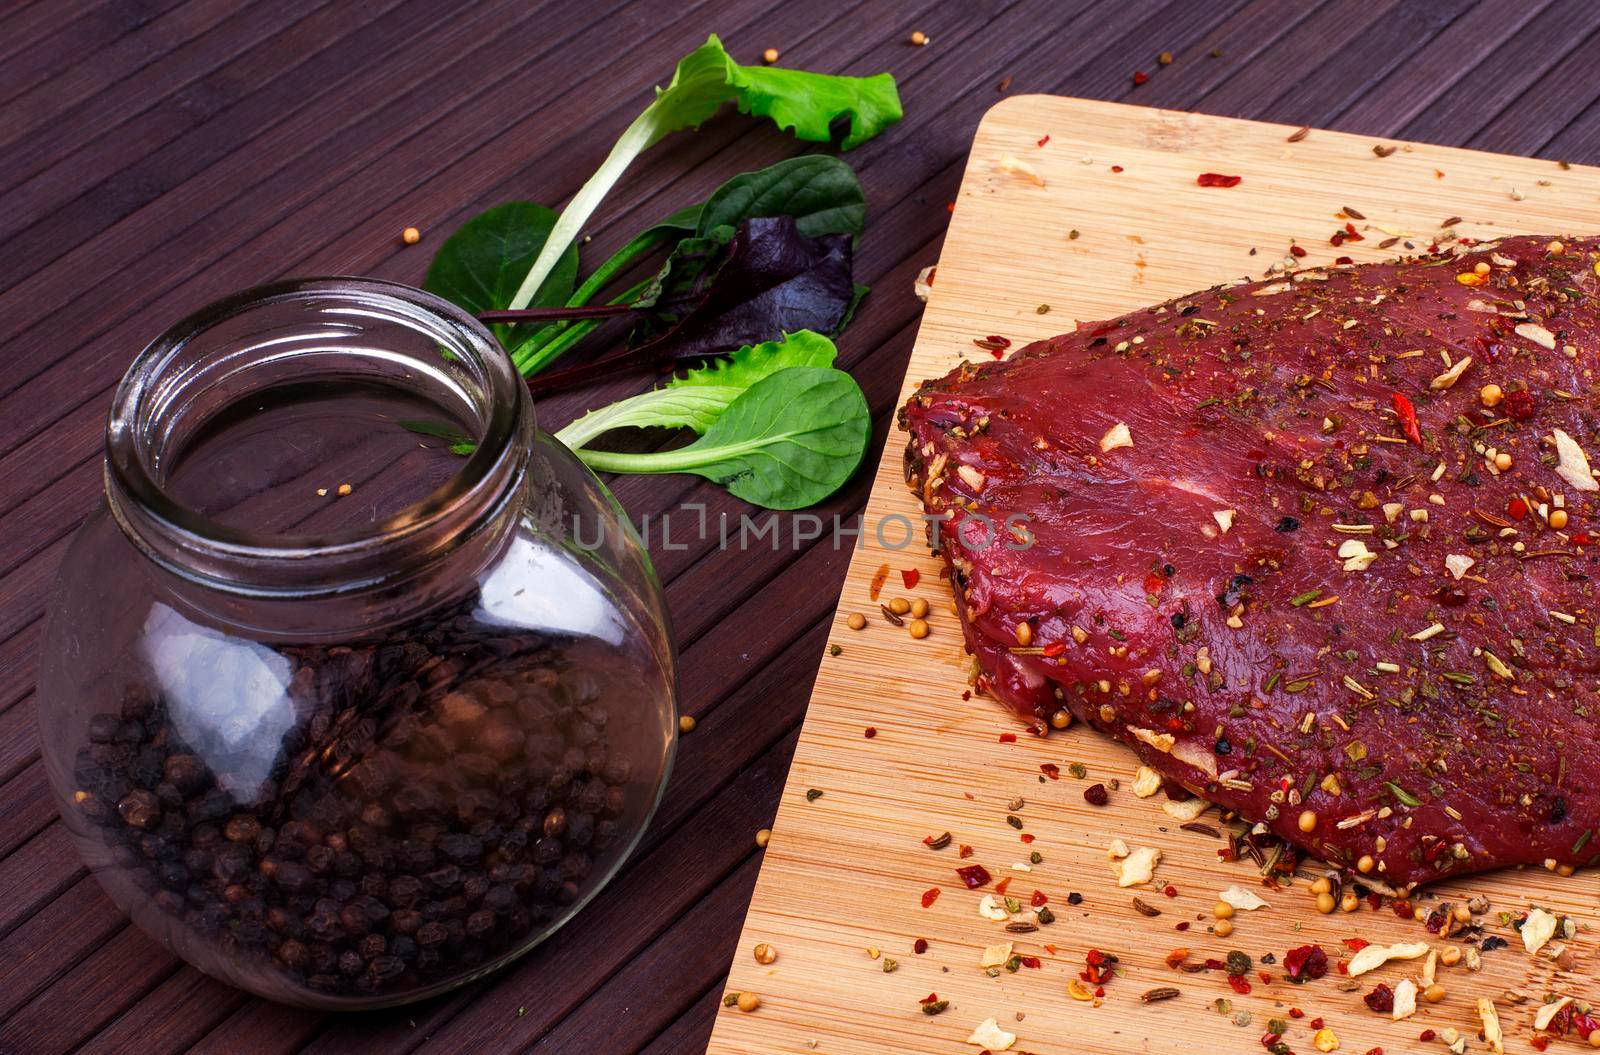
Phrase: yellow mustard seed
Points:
(686, 723)
(411, 236)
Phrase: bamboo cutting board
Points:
(1118, 223)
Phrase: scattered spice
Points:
(974, 876)
(1216, 179)
(411, 236)
(879, 577)
(1407, 413)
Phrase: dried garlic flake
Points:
(1138, 866)
(990, 1035)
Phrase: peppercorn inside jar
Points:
(357, 687)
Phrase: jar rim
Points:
(195, 545)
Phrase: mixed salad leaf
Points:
(787, 437)
(759, 271)
(706, 79)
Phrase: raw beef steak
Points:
(1319, 549)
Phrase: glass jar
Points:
(356, 687)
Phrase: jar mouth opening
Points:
(311, 330)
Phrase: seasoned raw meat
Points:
(1317, 549)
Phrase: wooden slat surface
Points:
(155, 154)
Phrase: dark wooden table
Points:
(156, 154)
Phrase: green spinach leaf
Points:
(480, 266)
(790, 440)
(697, 398)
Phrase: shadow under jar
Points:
(357, 686)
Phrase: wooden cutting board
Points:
(1118, 222)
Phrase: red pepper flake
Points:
(1240, 983)
(1295, 250)
(1343, 260)
(1032, 961)
(1516, 509)
(910, 576)
(1306, 963)
(950, 207)
(1380, 999)
(1408, 417)
(974, 876)
(1540, 1043)
(1038, 899)
(1404, 910)
(1519, 405)
(931, 998)
(1356, 944)
(929, 896)
(1008, 738)
(1098, 968)
(1045, 140)
(1053, 649)
(869, 732)
(1051, 770)
(1026, 837)
(919, 946)
(1426, 1035)
(1002, 886)
(994, 344)
(1217, 179)
(1140, 77)
(1353, 235)
(1170, 890)
(965, 852)
(1295, 1012)
(1096, 795)
(1266, 978)
(1183, 926)
(879, 577)
(1116, 168)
